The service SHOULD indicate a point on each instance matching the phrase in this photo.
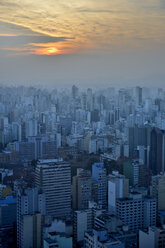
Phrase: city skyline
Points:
(82, 167)
(85, 42)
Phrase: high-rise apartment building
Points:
(118, 187)
(99, 175)
(30, 209)
(131, 171)
(150, 208)
(80, 224)
(81, 189)
(158, 190)
(130, 211)
(54, 177)
(84, 220)
(136, 212)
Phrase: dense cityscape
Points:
(82, 167)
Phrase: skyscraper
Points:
(54, 177)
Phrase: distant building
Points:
(9, 157)
(138, 95)
(37, 147)
(95, 115)
(74, 91)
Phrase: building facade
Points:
(54, 177)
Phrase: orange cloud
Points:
(54, 48)
(49, 48)
(8, 35)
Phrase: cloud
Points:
(16, 29)
(31, 39)
(93, 24)
(104, 11)
(9, 4)
(29, 42)
(38, 45)
(162, 4)
(94, 10)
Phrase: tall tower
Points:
(54, 177)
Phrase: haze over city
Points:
(89, 43)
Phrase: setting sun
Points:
(52, 50)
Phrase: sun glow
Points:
(52, 50)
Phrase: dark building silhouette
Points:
(74, 91)
(95, 115)
(144, 176)
(138, 136)
(138, 95)
(157, 151)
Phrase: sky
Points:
(82, 42)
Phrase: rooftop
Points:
(8, 200)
